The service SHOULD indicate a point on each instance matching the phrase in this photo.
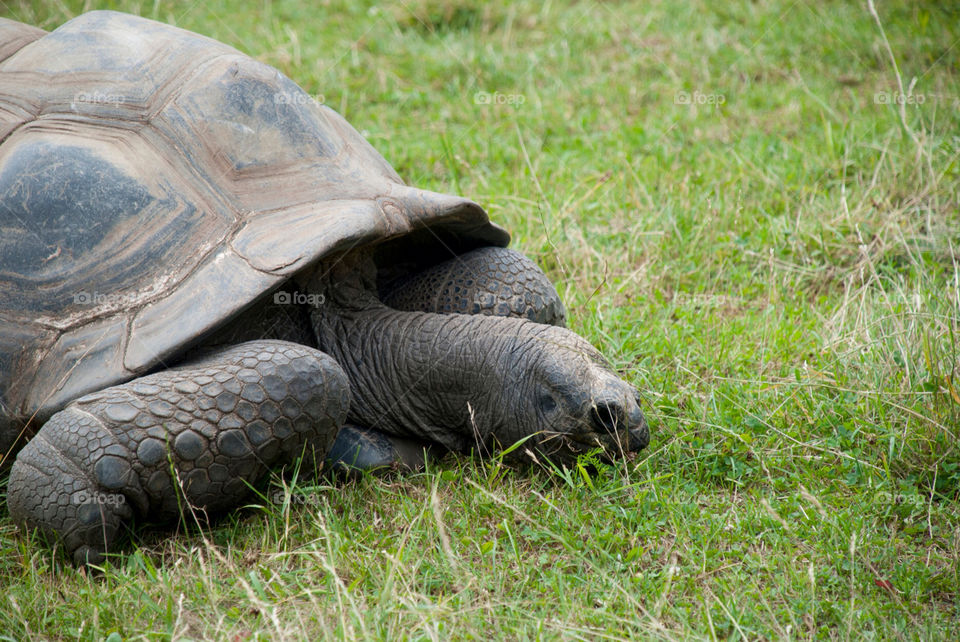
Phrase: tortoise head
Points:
(559, 389)
(471, 380)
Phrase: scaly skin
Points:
(218, 424)
(488, 281)
(196, 437)
(470, 381)
(491, 281)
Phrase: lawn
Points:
(750, 207)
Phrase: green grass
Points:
(774, 266)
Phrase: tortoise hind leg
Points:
(198, 434)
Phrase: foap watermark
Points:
(497, 98)
(698, 98)
(282, 297)
(898, 98)
(705, 300)
(112, 299)
(888, 498)
(83, 498)
(96, 98)
(299, 499)
(297, 98)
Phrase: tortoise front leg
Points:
(358, 449)
(195, 435)
(493, 281)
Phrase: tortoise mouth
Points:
(566, 447)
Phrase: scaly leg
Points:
(493, 281)
(197, 434)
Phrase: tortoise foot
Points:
(191, 438)
(357, 450)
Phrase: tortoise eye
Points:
(547, 402)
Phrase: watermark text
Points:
(282, 297)
(497, 98)
(698, 98)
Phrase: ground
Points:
(750, 207)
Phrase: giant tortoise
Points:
(205, 275)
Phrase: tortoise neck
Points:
(417, 374)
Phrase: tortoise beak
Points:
(616, 414)
(638, 432)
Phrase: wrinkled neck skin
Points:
(453, 379)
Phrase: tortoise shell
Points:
(153, 184)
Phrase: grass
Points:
(740, 214)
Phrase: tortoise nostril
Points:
(609, 417)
